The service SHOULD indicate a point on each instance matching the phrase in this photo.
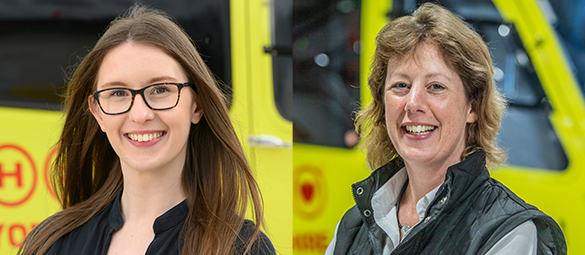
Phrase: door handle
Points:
(267, 141)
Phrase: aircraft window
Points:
(526, 129)
(569, 22)
(39, 44)
(281, 50)
(34, 57)
(326, 47)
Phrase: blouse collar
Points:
(167, 220)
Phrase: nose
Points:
(415, 99)
(140, 112)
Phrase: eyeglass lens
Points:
(157, 97)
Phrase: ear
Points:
(471, 114)
(197, 112)
(95, 112)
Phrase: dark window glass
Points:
(281, 50)
(526, 130)
(326, 47)
(41, 40)
(567, 18)
(35, 56)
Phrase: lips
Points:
(419, 129)
(145, 137)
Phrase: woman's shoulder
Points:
(262, 244)
(499, 190)
(86, 237)
(509, 206)
(352, 220)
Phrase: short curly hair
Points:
(464, 51)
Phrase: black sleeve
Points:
(261, 246)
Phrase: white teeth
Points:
(419, 130)
(144, 137)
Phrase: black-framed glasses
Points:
(159, 96)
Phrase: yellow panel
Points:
(373, 19)
(25, 150)
(322, 181)
(255, 115)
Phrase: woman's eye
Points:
(160, 90)
(437, 86)
(400, 86)
(118, 93)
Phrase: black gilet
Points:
(476, 212)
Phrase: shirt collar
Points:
(424, 202)
(167, 220)
(384, 204)
(115, 216)
(171, 218)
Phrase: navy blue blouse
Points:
(93, 238)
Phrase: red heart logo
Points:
(307, 190)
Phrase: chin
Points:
(142, 164)
(414, 153)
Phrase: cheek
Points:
(455, 115)
(111, 125)
(112, 128)
(182, 119)
(392, 109)
(392, 114)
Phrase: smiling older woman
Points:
(430, 131)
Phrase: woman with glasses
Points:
(148, 161)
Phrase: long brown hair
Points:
(87, 175)
(464, 51)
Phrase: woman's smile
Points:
(419, 130)
(143, 138)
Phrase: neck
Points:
(421, 182)
(422, 178)
(425, 176)
(147, 195)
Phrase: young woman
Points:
(430, 133)
(148, 160)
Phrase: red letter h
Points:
(16, 174)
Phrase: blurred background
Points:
(246, 44)
(538, 49)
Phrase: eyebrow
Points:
(401, 75)
(430, 75)
(161, 78)
(151, 81)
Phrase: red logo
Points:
(18, 175)
(310, 191)
(307, 190)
